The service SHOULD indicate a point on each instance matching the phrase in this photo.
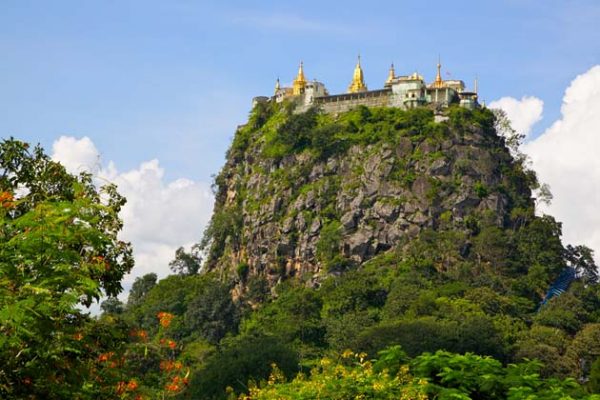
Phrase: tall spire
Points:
(391, 75)
(438, 83)
(300, 76)
(300, 81)
(476, 85)
(358, 81)
(277, 85)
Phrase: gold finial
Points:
(301, 72)
(358, 81)
(391, 75)
(277, 86)
(299, 82)
(438, 83)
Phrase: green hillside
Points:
(379, 253)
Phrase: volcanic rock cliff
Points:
(311, 194)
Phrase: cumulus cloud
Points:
(523, 113)
(566, 157)
(159, 216)
(77, 155)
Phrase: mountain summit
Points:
(310, 194)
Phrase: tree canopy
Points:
(59, 252)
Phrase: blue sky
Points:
(172, 79)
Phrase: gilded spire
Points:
(438, 83)
(300, 81)
(358, 81)
(391, 75)
(300, 76)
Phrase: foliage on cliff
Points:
(381, 228)
(307, 194)
(408, 238)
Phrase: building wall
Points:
(342, 103)
(442, 97)
(409, 95)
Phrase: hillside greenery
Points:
(275, 136)
(453, 313)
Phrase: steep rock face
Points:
(314, 204)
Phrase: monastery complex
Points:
(402, 91)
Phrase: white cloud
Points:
(566, 157)
(77, 155)
(159, 216)
(523, 113)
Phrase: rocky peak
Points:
(301, 196)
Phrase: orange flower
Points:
(6, 199)
(141, 334)
(166, 365)
(165, 318)
(101, 261)
(105, 356)
(78, 336)
(172, 387)
(132, 385)
(177, 365)
(171, 344)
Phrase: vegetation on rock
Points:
(411, 242)
(309, 194)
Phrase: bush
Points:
(242, 271)
(328, 246)
(241, 359)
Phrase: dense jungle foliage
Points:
(452, 314)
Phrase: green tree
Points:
(565, 312)
(504, 128)
(594, 378)
(58, 251)
(112, 305)
(582, 258)
(294, 316)
(328, 247)
(241, 359)
(186, 263)
(168, 295)
(584, 350)
(543, 343)
(140, 288)
(211, 313)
